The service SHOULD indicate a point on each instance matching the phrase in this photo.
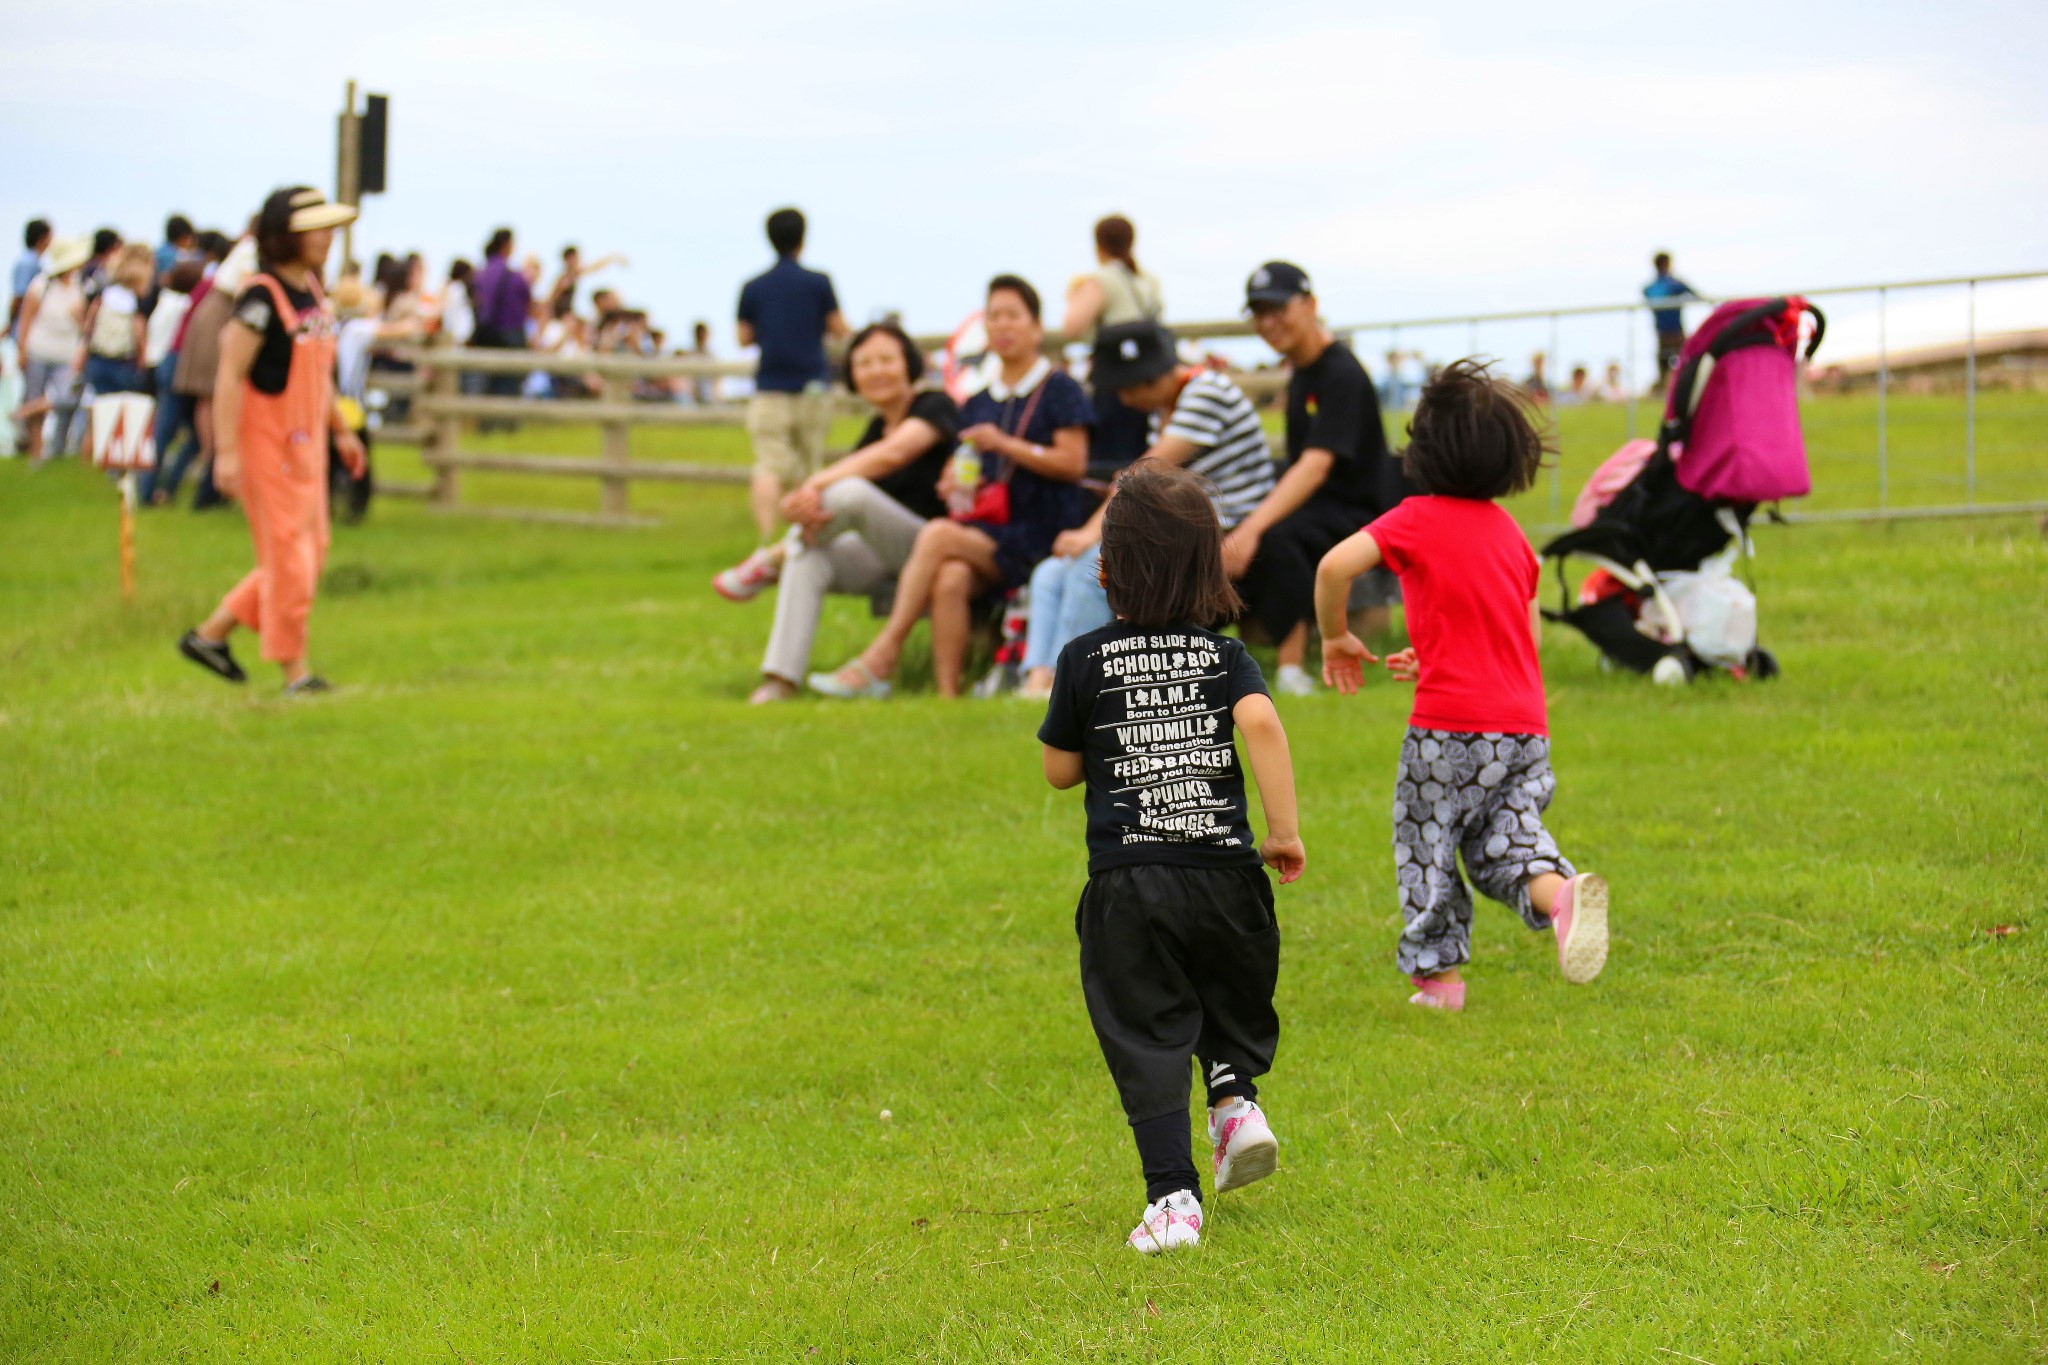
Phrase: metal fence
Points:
(1947, 416)
(1934, 407)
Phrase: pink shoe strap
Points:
(1449, 995)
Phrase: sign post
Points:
(124, 441)
(348, 150)
(359, 142)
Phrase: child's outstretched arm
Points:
(1265, 742)
(1344, 654)
(1062, 767)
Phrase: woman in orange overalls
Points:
(273, 418)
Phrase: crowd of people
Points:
(99, 315)
(945, 507)
(948, 505)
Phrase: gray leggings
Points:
(1481, 795)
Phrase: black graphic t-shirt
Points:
(256, 309)
(1148, 709)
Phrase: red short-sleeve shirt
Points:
(1467, 578)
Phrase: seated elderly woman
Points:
(855, 522)
(1030, 430)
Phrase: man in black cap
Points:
(1338, 474)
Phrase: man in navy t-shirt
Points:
(788, 312)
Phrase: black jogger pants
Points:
(1179, 963)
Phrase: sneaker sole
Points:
(1255, 1161)
(186, 651)
(1150, 1247)
(1585, 953)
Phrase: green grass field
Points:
(531, 999)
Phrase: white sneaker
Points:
(1294, 681)
(1169, 1224)
(1669, 671)
(1246, 1149)
(744, 580)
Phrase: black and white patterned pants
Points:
(1482, 796)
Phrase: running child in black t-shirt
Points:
(1179, 947)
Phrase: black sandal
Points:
(211, 656)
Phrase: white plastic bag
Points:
(1716, 611)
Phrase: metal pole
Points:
(1970, 404)
(1628, 375)
(1473, 348)
(1557, 466)
(348, 171)
(1394, 350)
(1883, 429)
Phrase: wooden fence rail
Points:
(440, 409)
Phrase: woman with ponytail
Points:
(1116, 292)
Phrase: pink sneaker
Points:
(1580, 917)
(1246, 1149)
(1438, 995)
(1169, 1224)
(744, 580)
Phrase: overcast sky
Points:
(1417, 160)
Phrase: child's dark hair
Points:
(1162, 550)
(1474, 436)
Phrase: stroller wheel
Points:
(1763, 664)
(1671, 671)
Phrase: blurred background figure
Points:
(52, 329)
(1580, 390)
(1116, 292)
(1670, 322)
(788, 311)
(1612, 389)
(563, 291)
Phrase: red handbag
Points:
(992, 496)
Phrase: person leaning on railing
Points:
(855, 522)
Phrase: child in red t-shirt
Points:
(1475, 767)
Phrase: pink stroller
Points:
(1729, 441)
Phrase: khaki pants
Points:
(788, 434)
(861, 550)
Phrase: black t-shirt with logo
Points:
(1148, 709)
(916, 485)
(1332, 405)
(257, 310)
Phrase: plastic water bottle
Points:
(966, 479)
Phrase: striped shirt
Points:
(1214, 416)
